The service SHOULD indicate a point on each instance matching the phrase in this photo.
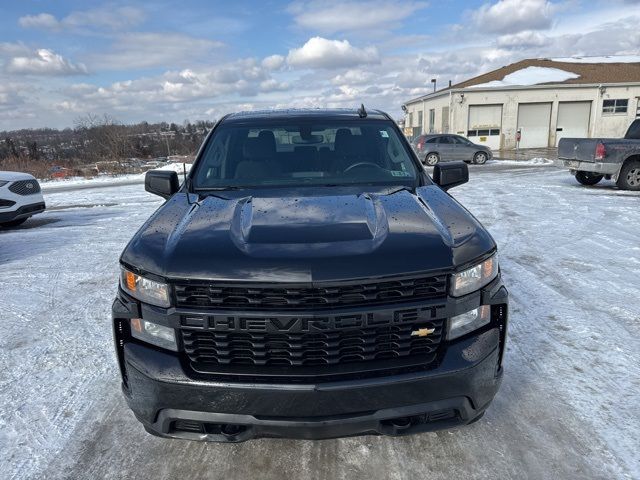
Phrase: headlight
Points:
(468, 321)
(143, 289)
(474, 278)
(153, 333)
(2, 183)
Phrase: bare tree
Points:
(105, 137)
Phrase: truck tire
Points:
(629, 178)
(588, 178)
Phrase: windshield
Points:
(298, 154)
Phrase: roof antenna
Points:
(362, 113)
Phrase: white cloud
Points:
(42, 20)
(354, 77)
(139, 50)
(13, 49)
(10, 95)
(44, 62)
(273, 62)
(68, 106)
(106, 17)
(272, 85)
(410, 78)
(524, 39)
(199, 82)
(320, 52)
(110, 18)
(513, 16)
(244, 77)
(342, 16)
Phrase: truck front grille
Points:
(242, 296)
(25, 187)
(206, 349)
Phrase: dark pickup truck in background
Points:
(592, 159)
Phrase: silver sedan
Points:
(434, 148)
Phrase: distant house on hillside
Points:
(542, 99)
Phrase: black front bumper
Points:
(172, 402)
(24, 211)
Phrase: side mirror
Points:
(161, 182)
(449, 175)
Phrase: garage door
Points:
(573, 120)
(485, 124)
(533, 124)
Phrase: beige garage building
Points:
(542, 99)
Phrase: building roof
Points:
(555, 71)
(589, 73)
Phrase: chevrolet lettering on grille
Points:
(312, 323)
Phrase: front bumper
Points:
(172, 402)
(25, 211)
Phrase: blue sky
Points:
(177, 60)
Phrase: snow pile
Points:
(603, 59)
(102, 180)
(530, 76)
(537, 161)
(175, 167)
(63, 183)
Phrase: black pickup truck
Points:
(308, 279)
(592, 159)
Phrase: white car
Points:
(20, 198)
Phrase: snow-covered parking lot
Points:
(568, 406)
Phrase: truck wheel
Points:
(13, 223)
(480, 158)
(629, 178)
(432, 159)
(588, 178)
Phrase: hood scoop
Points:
(312, 226)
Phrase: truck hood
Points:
(316, 235)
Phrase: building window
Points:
(483, 132)
(420, 118)
(432, 120)
(615, 106)
(410, 119)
